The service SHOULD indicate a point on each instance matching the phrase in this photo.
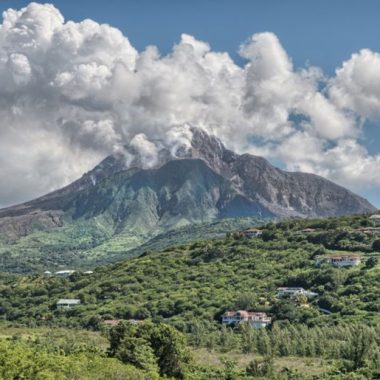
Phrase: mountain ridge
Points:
(238, 169)
(202, 184)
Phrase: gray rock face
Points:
(207, 182)
(282, 193)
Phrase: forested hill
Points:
(196, 282)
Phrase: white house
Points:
(375, 218)
(64, 273)
(256, 320)
(294, 291)
(67, 303)
(340, 260)
(252, 232)
(48, 273)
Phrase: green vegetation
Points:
(154, 351)
(92, 242)
(199, 281)
(45, 356)
(155, 348)
(179, 295)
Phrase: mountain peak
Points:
(249, 185)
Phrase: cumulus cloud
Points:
(73, 92)
(356, 86)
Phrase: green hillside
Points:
(202, 279)
(188, 287)
(89, 243)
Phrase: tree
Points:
(268, 235)
(152, 347)
(245, 301)
(170, 349)
(371, 262)
(247, 337)
(231, 371)
(260, 367)
(138, 352)
(264, 343)
(358, 347)
(301, 299)
(93, 323)
(376, 245)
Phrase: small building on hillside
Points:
(67, 303)
(252, 232)
(256, 320)
(48, 273)
(294, 291)
(339, 260)
(375, 218)
(64, 273)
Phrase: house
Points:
(48, 273)
(252, 232)
(88, 272)
(256, 320)
(67, 303)
(64, 273)
(375, 218)
(294, 291)
(340, 260)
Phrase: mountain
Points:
(202, 184)
(206, 182)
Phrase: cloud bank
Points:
(72, 93)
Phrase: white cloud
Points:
(71, 93)
(356, 86)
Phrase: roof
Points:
(65, 271)
(290, 288)
(68, 301)
(376, 216)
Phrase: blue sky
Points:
(320, 33)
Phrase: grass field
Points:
(307, 366)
